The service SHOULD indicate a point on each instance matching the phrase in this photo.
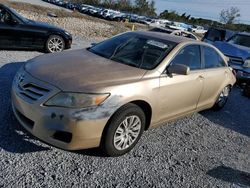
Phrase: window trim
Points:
(203, 58)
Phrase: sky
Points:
(205, 8)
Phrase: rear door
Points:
(180, 94)
(215, 73)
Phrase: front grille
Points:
(236, 60)
(32, 91)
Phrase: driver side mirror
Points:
(93, 44)
(178, 69)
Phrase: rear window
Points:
(215, 35)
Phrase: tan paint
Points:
(82, 71)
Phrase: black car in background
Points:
(216, 34)
(17, 32)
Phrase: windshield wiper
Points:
(119, 47)
(116, 50)
(125, 62)
(131, 64)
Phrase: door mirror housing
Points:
(93, 44)
(178, 69)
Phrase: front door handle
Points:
(200, 77)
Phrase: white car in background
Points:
(199, 30)
(178, 26)
(108, 12)
(184, 34)
(159, 23)
(180, 33)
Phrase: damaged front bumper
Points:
(65, 128)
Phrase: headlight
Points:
(76, 100)
(247, 63)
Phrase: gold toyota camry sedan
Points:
(109, 94)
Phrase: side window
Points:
(212, 59)
(4, 16)
(189, 56)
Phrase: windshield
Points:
(18, 15)
(242, 40)
(134, 49)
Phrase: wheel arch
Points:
(143, 105)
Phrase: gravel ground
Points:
(19, 56)
(207, 149)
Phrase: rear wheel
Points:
(222, 99)
(55, 43)
(124, 130)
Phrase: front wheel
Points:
(55, 43)
(124, 130)
(222, 99)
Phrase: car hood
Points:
(42, 25)
(81, 71)
(233, 49)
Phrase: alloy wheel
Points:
(127, 132)
(55, 44)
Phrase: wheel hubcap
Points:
(55, 45)
(127, 132)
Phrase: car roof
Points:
(2, 5)
(165, 36)
(244, 33)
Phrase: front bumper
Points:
(68, 43)
(243, 77)
(54, 125)
(242, 74)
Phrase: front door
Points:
(7, 34)
(180, 94)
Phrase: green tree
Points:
(89, 2)
(124, 5)
(144, 7)
(229, 16)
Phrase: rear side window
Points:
(211, 58)
(189, 56)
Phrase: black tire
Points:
(50, 39)
(116, 120)
(246, 90)
(222, 99)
